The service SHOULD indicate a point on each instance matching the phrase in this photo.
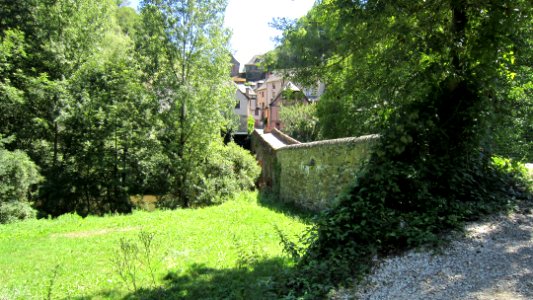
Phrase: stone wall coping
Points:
(260, 134)
(283, 137)
(349, 140)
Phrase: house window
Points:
(273, 86)
(257, 111)
(238, 105)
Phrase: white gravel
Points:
(494, 260)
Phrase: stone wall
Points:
(311, 175)
(283, 137)
(266, 157)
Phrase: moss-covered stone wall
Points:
(266, 157)
(311, 175)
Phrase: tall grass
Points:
(232, 249)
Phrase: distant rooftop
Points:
(255, 60)
(243, 89)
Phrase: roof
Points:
(289, 86)
(274, 77)
(255, 60)
(242, 88)
(234, 60)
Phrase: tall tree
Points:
(431, 77)
(185, 49)
(72, 95)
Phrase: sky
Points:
(249, 19)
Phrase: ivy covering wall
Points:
(311, 175)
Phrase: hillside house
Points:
(289, 94)
(265, 94)
(246, 103)
(271, 96)
(235, 67)
(253, 70)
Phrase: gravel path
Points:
(494, 260)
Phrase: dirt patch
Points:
(90, 233)
(145, 202)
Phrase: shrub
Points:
(251, 124)
(18, 174)
(226, 171)
(15, 211)
(515, 174)
(300, 121)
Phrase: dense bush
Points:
(250, 124)
(14, 211)
(227, 170)
(515, 174)
(18, 174)
(300, 121)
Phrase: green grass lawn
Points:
(228, 251)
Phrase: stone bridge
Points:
(309, 175)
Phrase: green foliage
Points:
(18, 175)
(74, 100)
(228, 170)
(16, 211)
(518, 176)
(108, 102)
(250, 124)
(512, 135)
(128, 20)
(376, 57)
(184, 51)
(435, 79)
(300, 122)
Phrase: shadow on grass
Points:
(254, 281)
(106, 294)
(267, 199)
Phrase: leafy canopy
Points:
(434, 79)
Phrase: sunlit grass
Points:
(196, 251)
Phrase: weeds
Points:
(147, 242)
(294, 250)
(125, 262)
(135, 259)
(246, 255)
(52, 281)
